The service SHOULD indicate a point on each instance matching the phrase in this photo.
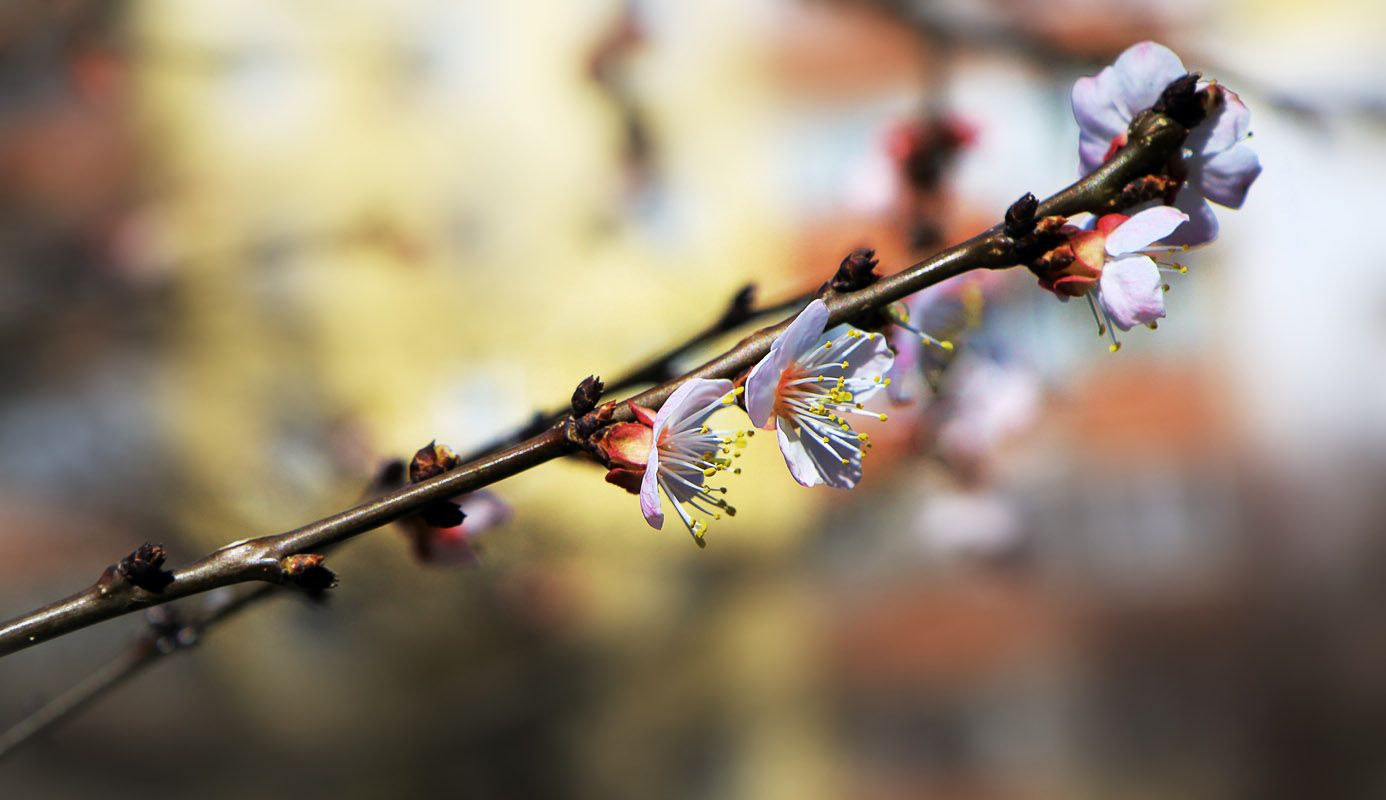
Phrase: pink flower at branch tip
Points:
(456, 545)
(674, 452)
(1108, 267)
(807, 383)
(1219, 166)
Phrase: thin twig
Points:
(142, 653)
(1154, 139)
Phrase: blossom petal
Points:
(484, 509)
(1099, 121)
(810, 461)
(796, 456)
(763, 383)
(1144, 228)
(803, 333)
(1142, 72)
(1224, 128)
(649, 493)
(695, 398)
(1202, 226)
(1132, 292)
(1226, 176)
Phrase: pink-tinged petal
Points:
(1226, 177)
(803, 333)
(688, 400)
(796, 456)
(1143, 229)
(762, 384)
(1099, 121)
(1225, 126)
(649, 494)
(1202, 226)
(1132, 292)
(1142, 72)
(642, 414)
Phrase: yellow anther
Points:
(861, 437)
(883, 418)
(740, 390)
(887, 381)
(844, 461)
(1165, 287)
(861, 405)
(1114, 346)
(946, 345)
(827, 345)
(877, 379)
(1151, 325)
(709, 472)
(749, 433)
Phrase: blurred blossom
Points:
(457, 544)
(990, 402)
(969, 523)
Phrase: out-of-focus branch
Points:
(286, 558)
(166, 636)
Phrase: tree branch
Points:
(1154, 140)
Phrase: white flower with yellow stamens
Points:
(807, 385)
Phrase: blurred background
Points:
(251, 249)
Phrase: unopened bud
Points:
(857, 270)
(1020, 217)
(431, 460)
(307, 572)
(586, 395)
(143, 568)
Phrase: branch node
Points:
(143, 568)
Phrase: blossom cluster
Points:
(1109, 262)
(815, 380)
(805, 389)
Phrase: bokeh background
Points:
(251, 249)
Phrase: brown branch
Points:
(1154, 140)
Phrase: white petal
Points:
(1202, 226)
(803, 333)
(1099, 121)
(686, 403)
(1143, 72)
(1131, 291)
(1223, 129)
(763, 383)
(1226, 176)
(484, 509)
(796, 457)
(649, 494)
(1143, 229)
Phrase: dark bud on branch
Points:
(1149, 187)
(431, 460)
(1180, 101)
(1020, 217)
(307, 572)
(434, 459)
(857, 271)
(443, 514)
(587, 394)
(143, 568)
(741, 309)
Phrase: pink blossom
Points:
(1219, 165)
(673, 452)
(1122, 284)
(807, 383)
